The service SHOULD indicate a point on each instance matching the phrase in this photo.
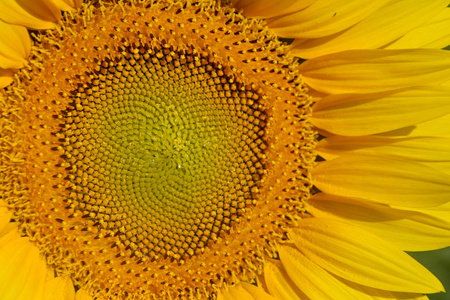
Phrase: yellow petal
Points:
(421, 149)
(5, 225)
(408, 230)
(377, 294)
(36, 14)
(443, 166)
(269, 8)
(236, 292)
(50, 274)
(383, 180)
(439, 127)
(441, 212)
(59, 288)
(365, 114)
(323, 18)
(433, 34)
(22, 271)
(66, 4)
(382, 27)
(403, 296)
(314, 281)
(15, 46)
(83, 295)
(361, 257)
(364, 71)
(279, 283)
(6, 77)
(257, 292)
(3, 205)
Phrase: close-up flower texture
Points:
(223, 150)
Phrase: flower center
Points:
(167, 150)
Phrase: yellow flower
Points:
(178, 150)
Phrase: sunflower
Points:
(181, 150)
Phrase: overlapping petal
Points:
(5, 216)
(408, 230)
(249, 292)
(371, 113)
(323, 18)
(429, 35)
(257, 292)
(66, 5)
(280, 284)
(59, 288)
(367, 71)
(421, 149)
(382, 27)
(439, 127)
(15, 46)
(23, 271)
(378, 294)
(37, 14)
(83, 295)
(314, 281)
(428, 150)
(6, 77)
(361, 257)
(383, 180)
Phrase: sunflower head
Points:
(164, 147)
